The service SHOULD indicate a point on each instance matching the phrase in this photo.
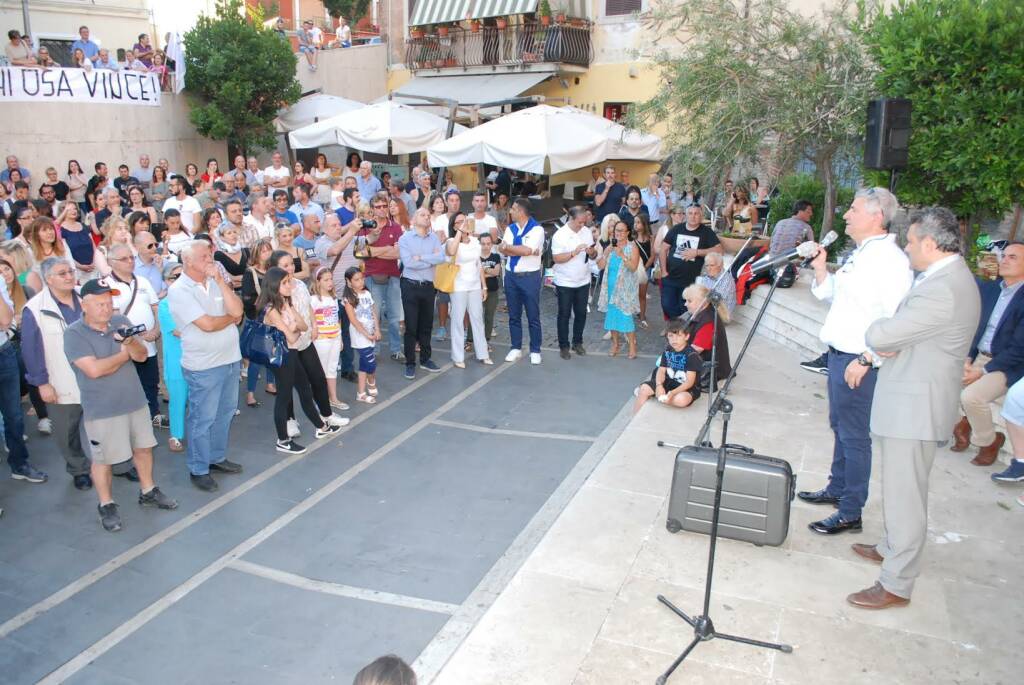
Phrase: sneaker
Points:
(45, 426)
(429, 365)
(82, 481)
(205, 482)
(109, 517)
(564, 353)
(340, 406)
(326, 431)
(160, 421)
(442, 333)
(155, 498)
(819, 365)
(130, 475)
(28, 473)
(535, 358)
(487, 362)
(410, 371)
(226, 466)
(580, 350)
(1014, 473)
(513, 355)
(293, 428)
(398, 357)
(335, 420)
(290, 447)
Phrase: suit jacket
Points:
(918, 391)
(1008, 342)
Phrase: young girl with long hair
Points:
(252, 286)
(328, 331)
(363, 332)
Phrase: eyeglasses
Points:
(172, 278)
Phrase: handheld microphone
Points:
(807, 250)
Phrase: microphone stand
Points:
(703, 628)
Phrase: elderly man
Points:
(136, 300)
(382, 272)
(116, 419)
(868, 287)
(253, 173)
(149, 264)
(105, 61)
(996, 358)
(420, 250)
(926, 341)
(144, 172)
(523, 243)
(334, 250)
(10, 396)
(654, 200)
(206, 312)
(368, 184)
(571, 246)
(713, 280)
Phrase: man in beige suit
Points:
(917, 395)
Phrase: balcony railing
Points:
(516, 45)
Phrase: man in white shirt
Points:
(253, 173)
(482, 221)
(868, 287)
(187, 206)
(259, 223)
(144, 173)
(276, 176)
(571, 246)
(523, 243)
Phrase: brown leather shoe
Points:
(961, 435)
(876, 597)
(869, 552)
(987, 455)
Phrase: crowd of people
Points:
(86, 54)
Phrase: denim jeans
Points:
(523, 291)
(849, 415)
(10, 407)
(346, 342)
(212, 401)
(149, 377)
(672, 299)
(571, 302)
(388, 299)
(253, 379)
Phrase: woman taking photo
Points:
(77, 183)
(275, 307)
(285, 235)
(322, 173)
(704, 337)
(230, 253)
(79, 242)
(469, 294)
(137, 202)
(644, 243)
(621, 287)
(252, 286)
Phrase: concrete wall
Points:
(357, 73)
(51, 133)
(112, 23)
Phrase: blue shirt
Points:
(152, 273)
(88, 47)
(345, 215)
(312, 208)
(287, 217)
(367, 186)
(109, 64)
(419, 254)
(655, 202)
(1006, 294)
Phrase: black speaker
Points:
(887, 140)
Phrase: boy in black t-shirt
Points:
(491, 262)
(674, 381)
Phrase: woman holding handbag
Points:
(252, 285)
(468, 293)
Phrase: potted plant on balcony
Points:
(560, 16)
(416, 32)
(544, 10)
(501, 22)
(442, 30)
(474, 25)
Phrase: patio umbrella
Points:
(545, 140)
(311, 109)
(373, 128)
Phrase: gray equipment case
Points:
(756, 494)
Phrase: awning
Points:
(444, 11)
(475, 89)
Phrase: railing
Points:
(516, 45)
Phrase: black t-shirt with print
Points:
(490, 261)
(679, 239)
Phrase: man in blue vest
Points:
(523, 243)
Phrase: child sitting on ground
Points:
(674, 380)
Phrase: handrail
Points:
(516, 45)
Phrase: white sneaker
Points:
(535, 358)
(335, 420)
(293, 428)
(45, 426)
(513, 355)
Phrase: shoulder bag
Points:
(445, 273)
(263, 344)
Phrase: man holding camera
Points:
(101, 347)
(382, 272)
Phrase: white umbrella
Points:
(545, 140)
(373, 127)
(311, 109)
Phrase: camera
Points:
(369, 223)
(129, 331)
(615, 242)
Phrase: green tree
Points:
(961, 62)
(239, 74)
(353, 10)
(746, 77)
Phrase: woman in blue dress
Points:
(620, 294)
(174, 379)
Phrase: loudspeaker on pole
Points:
(887, 138)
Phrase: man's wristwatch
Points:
(863, 361)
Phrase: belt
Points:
(524, 273)
(415, 282)
(835, 351)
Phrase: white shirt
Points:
(177, 241)
(869, 286)
(534, 239)
(439, 224)
(142, 307)
(485, 225)
(575, 272)
(272, 174)
(188, 207)
(468, 259)
(264, 229)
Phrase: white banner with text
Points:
(77, 85)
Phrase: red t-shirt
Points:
(704, 338)
(389, 236)
(212, 179)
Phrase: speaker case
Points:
(887, 134)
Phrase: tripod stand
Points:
(703, 627)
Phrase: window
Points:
(619, 7)
(60, 50)
(615, 110)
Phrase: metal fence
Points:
(510, 46)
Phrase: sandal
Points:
(253, 404)
(371, 390)
(644, 325)
(364, 397)
(175, 445)
(614, 352)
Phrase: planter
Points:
(442, 31)
(733, 245)
(451, 62)
(560, 18)
(545, 20)
(474, 26)
(416, 33)
(501, 22)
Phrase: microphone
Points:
(807, 250)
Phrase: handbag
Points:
(263, 344)
(444, 276)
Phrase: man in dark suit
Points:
(996, 359)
